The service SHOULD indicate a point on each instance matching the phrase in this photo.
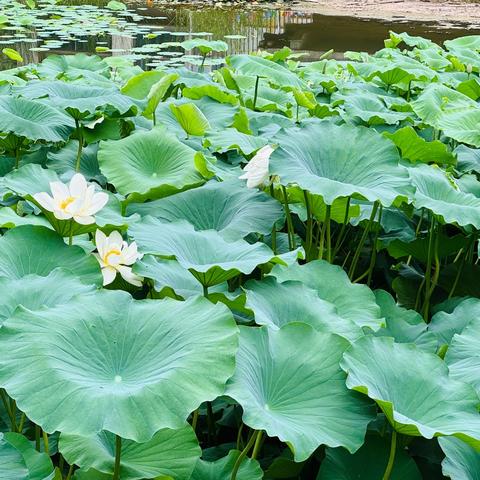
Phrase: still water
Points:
(148, 31)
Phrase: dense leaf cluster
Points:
(323, 324)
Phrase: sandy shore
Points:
(447, 12)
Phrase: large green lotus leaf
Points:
(222, 469)
(170, 453)
(446, 324)
(139, 85)
(208, 256)
(352, 301)
(190, 118)
(369, 108)
(463, 355)
(261, 67)
(76, 66)
(219, 115)
(289, 384)
(33, 120)
(405, 326)
(232, 139)
(413, 388)
(78, 99)
(111, 363)
(20, 461)
(438, 101)
(368, 463)
(462, 126)
(64, 161)
(10, 219)
(340, 161)
(276, 304)
(415, 149)
(462, 462)
(215, 92)
(227, 207)
(435, 192)
(35, 292)
(149, 165)
(38, 250)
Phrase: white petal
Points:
(99, 200)
(84, 219)
(78, 185)
(62, 215)
(109, 275)
(116, 238)
(59, 190)
(100, 242)
(45, 201)
(130, 254)
(129, 276)
(99, 259)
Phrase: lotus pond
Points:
(266, 271)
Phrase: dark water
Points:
(244, 29)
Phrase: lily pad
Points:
(299, 398)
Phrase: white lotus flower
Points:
(78, 200)
(256, 170)
(116, 255)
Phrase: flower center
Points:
(66, 202)
(114, 251)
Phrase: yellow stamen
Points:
(110, 252)
(66, 202)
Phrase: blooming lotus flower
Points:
(116, 255)
(78, 200)
(256, 170)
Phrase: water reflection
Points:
(244, 29)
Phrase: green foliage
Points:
(162, 318)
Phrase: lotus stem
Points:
(6, 404)
(45, 442)
(325, 226)
(255, 94)
(70, 472)
(205, 291)
(341, 235)
(328, 234)
(428, 269)
(291, 233)
(391, 458)
(274, 228)
(80, 145)
(118, 454)
(361, 243)
(202, 65)
(258, 444)
(22, 423)
(17, 157)
(243, 454)
(239, 436)
(309, 231)
(195, 419)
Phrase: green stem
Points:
(328, 233)
(255, 94)
(274, 228)
(46, 447)
(13, 409)
(309, 230)
(428, 270)
(154, 118)
(202, 66)
(118, 454)
(391, 458)
(341, 235)
(70, 236)
(195, 419)
(205, 291)
(70, 472)
(243, 454)
(6, 404)
(22, 423)
(361, 243)
(291, 233)
(258, 444)
(17, 157)
(80, 145)
(239, 436)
